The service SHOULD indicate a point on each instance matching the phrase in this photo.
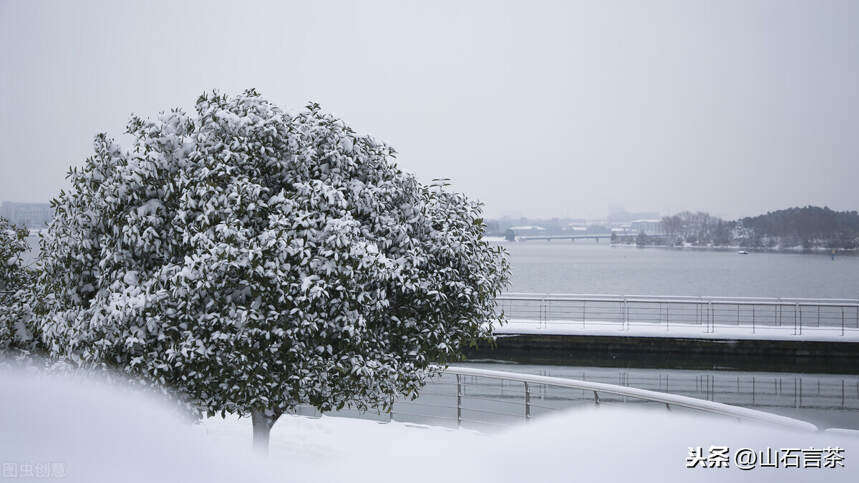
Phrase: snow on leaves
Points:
(256, 260)
(15, 302)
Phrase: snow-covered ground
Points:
(678, 330)
(81, 430)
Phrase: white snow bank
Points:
(86, 430)
(107, 434)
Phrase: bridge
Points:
(597, 237)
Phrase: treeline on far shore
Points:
(809, 227)
(806, 227)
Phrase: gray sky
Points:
(536, 108)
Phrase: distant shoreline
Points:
(794, 250)
(721, 248)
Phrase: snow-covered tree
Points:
(255, 260)
(15, 282)
(13, 245)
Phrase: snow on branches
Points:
(13, 245)
(15, 278)
(255, 260)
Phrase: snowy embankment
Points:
(87, 431)
(678, 330)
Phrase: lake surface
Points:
(591, 268)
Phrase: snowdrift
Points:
(94, 432)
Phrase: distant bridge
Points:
(597, 237)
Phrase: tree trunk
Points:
(262, 430)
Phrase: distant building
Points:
(649, 227)
(30, 215)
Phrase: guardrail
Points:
(529, 383)
(481, 398)
(754, 313)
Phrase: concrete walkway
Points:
(679, 330)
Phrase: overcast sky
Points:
(536, 108)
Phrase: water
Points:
(591, 268)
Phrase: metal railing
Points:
(534, 383)
(835, 316)
(473, 397)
